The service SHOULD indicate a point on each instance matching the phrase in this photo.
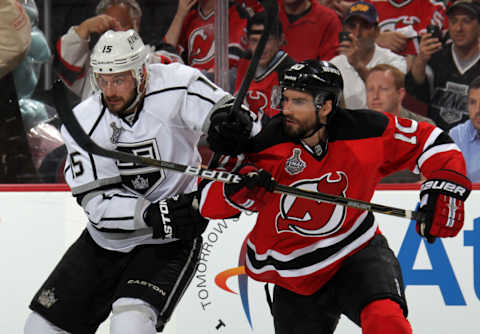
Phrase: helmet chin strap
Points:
(318, 124)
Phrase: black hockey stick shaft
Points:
(270, 7)
(84, 141)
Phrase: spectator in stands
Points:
(385, 93)
(359, 53)
(270, 66)
(311, 30)
(401, 22)
(440, 74)
(192, 32)
(73, 49)
(15, 29)
(467, 135)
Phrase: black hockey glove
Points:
(249, 193)
(441, 202)
(176, 217)
(229, 132)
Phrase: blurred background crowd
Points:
(417, 59)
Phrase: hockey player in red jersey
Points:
(192, 32)
(324, 259)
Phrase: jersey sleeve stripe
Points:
(105, 219)
(166, 90)
(431, 139)
(95, 184)
(432, 151)
(201, 97)
(117, 231)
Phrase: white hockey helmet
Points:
(121, 51)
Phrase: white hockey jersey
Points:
(168, 127)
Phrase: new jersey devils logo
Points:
(309, 218)
(394, 23)
(257, 100)
(201, 45)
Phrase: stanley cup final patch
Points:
(115, 133)
(295, 164)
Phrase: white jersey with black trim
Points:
(113, 194)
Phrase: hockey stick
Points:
(271, 8)
(83, 140)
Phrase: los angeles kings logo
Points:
(314, 218)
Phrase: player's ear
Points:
(325, 110)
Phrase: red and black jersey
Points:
(395, 14)
(298, 243)
(197, 38)
(313, 35)
(259, 95)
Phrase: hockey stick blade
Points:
(84, 141)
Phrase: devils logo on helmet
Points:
(314, 219)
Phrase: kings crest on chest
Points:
(140, 179)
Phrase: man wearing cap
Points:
(359, 53)
(441, 74)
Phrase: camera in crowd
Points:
(435, 31)
(344, 36)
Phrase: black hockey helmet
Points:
(320, 78)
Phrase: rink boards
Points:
(442, 279)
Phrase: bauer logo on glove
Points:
(442, 200)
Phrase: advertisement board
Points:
(442, 279)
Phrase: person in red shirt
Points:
(326, 259)
(402, 21)
(311, 30)
(261, 97)
(192, 32)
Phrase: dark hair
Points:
(475, 84)
(260, 19)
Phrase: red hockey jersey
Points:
(299, 244)
(259, 97)
(197, 38)
(397, 14)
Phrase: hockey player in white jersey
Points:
(142, 242)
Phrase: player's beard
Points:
(298, 130)
(119, 109)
